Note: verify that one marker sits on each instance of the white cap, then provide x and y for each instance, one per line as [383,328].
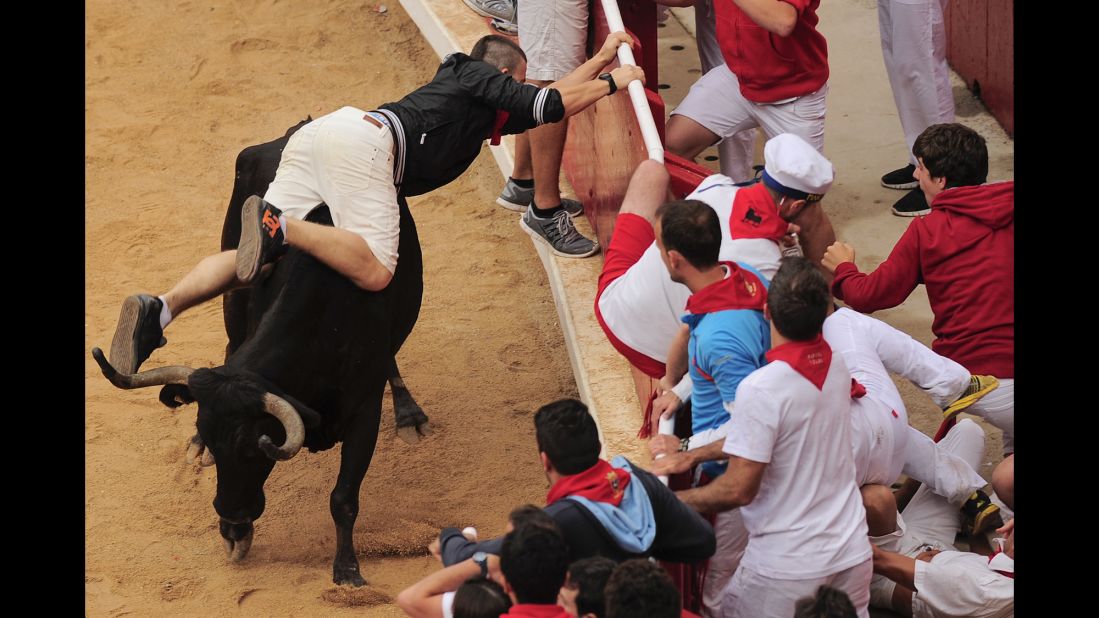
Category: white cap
[792,164]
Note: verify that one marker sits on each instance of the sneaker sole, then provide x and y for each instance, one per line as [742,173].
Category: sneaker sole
[961,404]
[539,238]
[986,520]
[124,344]
[912,213]
[511,205]
[904,185]
[248,249]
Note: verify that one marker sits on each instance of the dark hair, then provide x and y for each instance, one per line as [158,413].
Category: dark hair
[828,603]
[798,299]
[528,513]
[955,151]
[690,227]
[639,588]
[590,576]
[480,598]
[534,559]
[567,434]
[499,51]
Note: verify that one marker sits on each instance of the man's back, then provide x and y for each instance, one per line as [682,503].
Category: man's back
[646,302]
[807,519]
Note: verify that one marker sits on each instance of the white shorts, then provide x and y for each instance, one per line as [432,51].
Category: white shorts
[752,595]
[345,162]
[715,102]
[554,36]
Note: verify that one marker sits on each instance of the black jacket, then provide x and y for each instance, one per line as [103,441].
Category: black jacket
[442,124]
[682,535]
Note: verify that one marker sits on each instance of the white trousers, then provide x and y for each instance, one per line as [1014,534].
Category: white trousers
[732,540]
[736,152]
[913,44]
[346,162]
[929,521]
[752,595]
[885,444]
[715,102]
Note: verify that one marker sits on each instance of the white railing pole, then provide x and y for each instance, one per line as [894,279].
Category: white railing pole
[636,88]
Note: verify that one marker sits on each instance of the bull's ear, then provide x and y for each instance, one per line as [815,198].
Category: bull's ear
[175,395]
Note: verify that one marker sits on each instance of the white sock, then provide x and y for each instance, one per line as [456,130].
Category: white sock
[282,223]
[165,313]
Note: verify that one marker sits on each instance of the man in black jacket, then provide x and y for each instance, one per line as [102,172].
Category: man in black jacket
[364,164]
[612,509]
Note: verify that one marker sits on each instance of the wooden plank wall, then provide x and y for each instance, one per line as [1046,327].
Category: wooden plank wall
[981,48]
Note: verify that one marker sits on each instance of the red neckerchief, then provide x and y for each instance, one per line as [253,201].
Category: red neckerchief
[599,483]
[739,290]
[809,358]
[533,610]
[1004,573]
[501,120]
[755,215]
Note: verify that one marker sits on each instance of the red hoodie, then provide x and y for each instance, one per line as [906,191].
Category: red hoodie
[964,252]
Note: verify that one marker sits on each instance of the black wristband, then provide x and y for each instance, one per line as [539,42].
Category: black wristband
[684,445]
[610,80]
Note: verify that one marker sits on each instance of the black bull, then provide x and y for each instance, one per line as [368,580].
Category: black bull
[304,343]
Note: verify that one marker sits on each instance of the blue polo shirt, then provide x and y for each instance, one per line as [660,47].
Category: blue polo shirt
[724,347]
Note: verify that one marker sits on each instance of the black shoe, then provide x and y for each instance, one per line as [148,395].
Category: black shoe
[912,204]
[980,514]
[138,333]
[901,179]
[261,238]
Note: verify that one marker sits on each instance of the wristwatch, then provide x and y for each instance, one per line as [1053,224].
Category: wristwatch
[481,558]
[610,80]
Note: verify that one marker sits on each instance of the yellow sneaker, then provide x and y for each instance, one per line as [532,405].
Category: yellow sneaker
[979,386]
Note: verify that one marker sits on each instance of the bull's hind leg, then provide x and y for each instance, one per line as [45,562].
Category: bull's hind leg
[411,420]
[355,456]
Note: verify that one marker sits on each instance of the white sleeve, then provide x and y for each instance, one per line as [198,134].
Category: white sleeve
[756,416]
[684,389]
[448,604]
[956,584]
[710,436]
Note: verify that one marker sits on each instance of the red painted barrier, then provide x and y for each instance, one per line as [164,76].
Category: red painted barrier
[604,144]
[981,48]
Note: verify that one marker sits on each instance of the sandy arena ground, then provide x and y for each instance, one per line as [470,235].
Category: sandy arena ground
[174,92]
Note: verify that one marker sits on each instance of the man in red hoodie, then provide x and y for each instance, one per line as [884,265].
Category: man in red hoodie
[964,252]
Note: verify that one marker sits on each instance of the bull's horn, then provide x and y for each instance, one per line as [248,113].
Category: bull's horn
[176,374]
[291,422]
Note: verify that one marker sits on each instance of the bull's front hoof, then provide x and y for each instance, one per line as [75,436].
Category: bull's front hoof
[348,577]
[237,539]
[408,434]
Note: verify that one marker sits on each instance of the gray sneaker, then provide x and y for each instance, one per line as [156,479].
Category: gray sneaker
[559,233]
[500,9]
[516,198]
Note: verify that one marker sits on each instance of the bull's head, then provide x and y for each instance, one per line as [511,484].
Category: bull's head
[239,421]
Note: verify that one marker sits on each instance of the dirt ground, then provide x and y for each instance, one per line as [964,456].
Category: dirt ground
[173,92]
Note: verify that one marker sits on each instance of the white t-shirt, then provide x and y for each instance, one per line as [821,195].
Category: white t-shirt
[643,306]
[961,584]
[807,520]
[448,604]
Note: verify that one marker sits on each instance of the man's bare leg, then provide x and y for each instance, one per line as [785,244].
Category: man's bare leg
[522,170]
[343,251]
[547,146]
[141,324]
[687,138]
